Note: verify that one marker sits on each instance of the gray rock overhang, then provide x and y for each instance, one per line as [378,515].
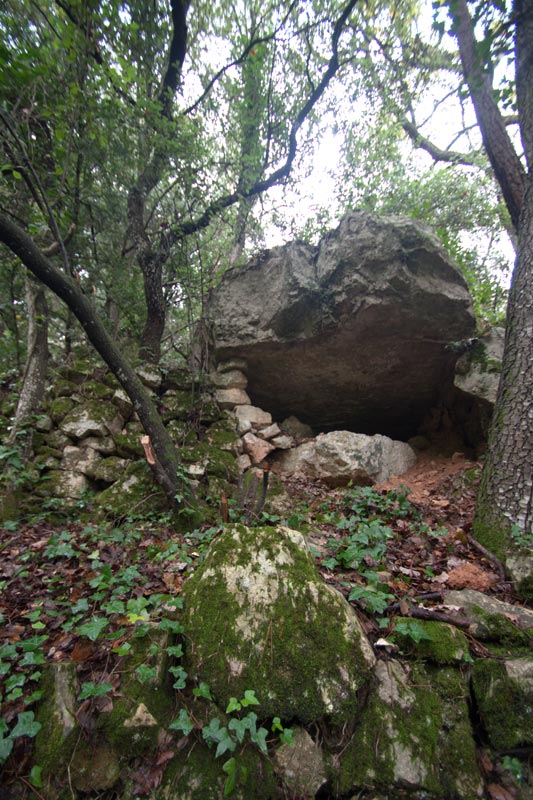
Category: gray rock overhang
[360,333]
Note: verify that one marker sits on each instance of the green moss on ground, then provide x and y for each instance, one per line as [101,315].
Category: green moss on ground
[445,645]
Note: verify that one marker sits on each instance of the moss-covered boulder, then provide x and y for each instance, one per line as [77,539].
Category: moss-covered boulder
[59,408]
[492,620]
[413,738]
[503,691]
[258,616]
[64,483]
[143,708]
[109,470]
[176,404]
[59,734]
[134,493]
[91,418]
[211,460]
[128,443]
[96,390]
[195,774]
[94,767]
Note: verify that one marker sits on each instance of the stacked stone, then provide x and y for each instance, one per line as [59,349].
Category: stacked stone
[259,435]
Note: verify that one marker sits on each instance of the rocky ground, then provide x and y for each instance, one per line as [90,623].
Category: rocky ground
[82,590]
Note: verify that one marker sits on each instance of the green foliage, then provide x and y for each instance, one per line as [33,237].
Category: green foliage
[413,630]
[241,730]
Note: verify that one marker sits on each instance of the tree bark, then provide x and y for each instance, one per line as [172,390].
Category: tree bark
[505,497]
[34,379]
[504,160]
[66,289]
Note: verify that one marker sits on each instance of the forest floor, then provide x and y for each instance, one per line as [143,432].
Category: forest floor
[80,590]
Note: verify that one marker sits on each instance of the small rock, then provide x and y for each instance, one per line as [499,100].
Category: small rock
[232,379]
[94,768]
[253,415]
[150,377]
[256,448]
[301,765]
[269,432]
[283,442]
[294,427]
[121,400]
[43,424]
[232,363]
[80,459]
[244,462]
[228,398]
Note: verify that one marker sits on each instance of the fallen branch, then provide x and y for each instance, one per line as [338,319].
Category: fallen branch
[488,554]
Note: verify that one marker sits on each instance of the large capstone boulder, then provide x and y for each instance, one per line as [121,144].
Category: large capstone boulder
[361,332]
[258,616]
[343,457]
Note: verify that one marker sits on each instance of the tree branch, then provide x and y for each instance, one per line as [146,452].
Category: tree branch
[451,156]
[186,228]
[504,160]
[524,74]
[239,60]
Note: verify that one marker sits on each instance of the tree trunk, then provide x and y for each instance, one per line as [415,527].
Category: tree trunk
[505,496]
[34,379]
[150,345]
[65,288]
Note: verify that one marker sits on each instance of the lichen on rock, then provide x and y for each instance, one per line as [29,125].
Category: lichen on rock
[259,617]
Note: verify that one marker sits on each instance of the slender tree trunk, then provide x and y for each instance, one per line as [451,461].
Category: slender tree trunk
[34,379]
[150,346]
[505,496]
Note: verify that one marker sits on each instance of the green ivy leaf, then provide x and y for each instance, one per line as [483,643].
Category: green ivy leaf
[183,723]
[26,725]
[92,689]
[249,698]
[233,705]
[93,628]
[36,776]
[203,690]
[146,673]
[259,738]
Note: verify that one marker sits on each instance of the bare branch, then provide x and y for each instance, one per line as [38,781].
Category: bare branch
[247,50]
[186,228]
[451,156]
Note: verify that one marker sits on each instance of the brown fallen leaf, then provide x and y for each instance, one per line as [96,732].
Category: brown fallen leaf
[497,792]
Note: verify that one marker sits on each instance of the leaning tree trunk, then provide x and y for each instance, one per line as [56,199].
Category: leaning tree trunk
[34,379]
[166,462]
[505,499]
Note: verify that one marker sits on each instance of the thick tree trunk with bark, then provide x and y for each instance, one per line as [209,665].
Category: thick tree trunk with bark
[505,497]
[504,512]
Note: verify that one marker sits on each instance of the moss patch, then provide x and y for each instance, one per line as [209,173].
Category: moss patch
[134,493]
[55,742]
[134,724]
[444,645]
[259,617]
[403,740]
[505,701]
